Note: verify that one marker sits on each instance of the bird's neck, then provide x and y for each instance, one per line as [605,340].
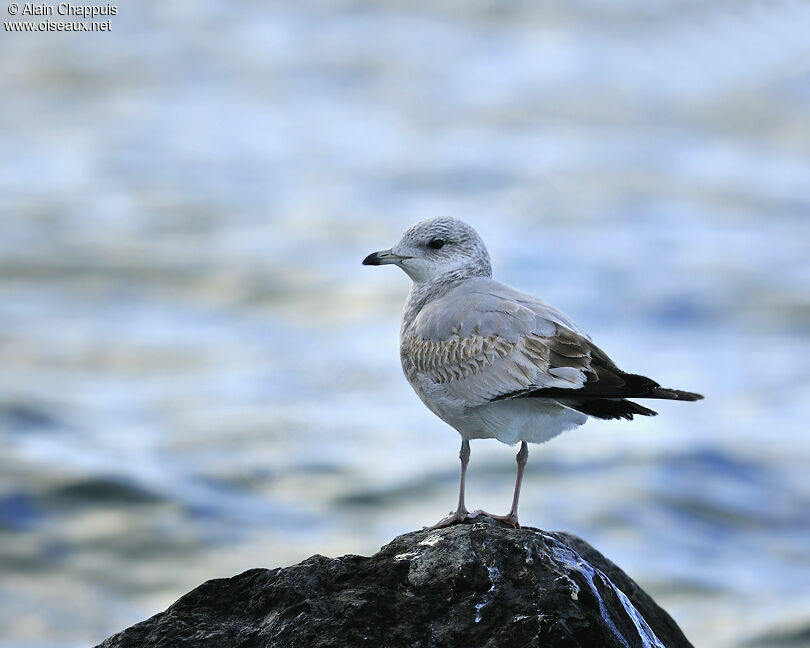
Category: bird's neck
[423,292]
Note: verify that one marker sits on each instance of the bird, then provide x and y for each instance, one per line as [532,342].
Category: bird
[494,362]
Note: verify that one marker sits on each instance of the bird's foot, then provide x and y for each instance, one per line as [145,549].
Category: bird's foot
[511,518]
[454,517]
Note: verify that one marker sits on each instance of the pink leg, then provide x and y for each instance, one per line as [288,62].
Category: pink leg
[512,517]
[461,513]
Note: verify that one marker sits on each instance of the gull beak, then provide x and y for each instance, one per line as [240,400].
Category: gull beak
[384,257]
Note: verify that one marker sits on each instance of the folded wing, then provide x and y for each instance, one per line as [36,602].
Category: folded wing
[485,342]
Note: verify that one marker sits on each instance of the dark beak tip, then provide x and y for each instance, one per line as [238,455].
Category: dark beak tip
[372,259]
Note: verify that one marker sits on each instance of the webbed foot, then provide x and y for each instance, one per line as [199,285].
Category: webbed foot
[511,518]
[454,517]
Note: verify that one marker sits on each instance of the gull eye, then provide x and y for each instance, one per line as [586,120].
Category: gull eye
[436,244]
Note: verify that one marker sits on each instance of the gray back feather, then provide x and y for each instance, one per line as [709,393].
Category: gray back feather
[481,339]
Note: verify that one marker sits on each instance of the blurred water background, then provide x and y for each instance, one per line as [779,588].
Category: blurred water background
[198,377]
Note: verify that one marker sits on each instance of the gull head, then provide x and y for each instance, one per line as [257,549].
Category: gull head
[435,247]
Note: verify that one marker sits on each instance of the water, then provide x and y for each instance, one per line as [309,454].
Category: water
[197,376]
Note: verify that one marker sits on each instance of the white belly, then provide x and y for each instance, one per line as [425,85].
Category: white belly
[534,420]
[526,419]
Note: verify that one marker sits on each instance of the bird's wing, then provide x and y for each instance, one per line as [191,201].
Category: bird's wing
[484,341]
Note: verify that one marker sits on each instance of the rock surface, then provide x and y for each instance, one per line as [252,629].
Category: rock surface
[469,585]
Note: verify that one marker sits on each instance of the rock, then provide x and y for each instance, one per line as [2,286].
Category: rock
[469,585]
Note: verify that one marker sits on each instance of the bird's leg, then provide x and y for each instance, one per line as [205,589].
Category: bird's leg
[522,458]
[464,455]
[461,513]
[512,517]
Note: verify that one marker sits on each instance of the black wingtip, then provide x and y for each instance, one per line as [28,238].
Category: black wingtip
[609,408]
[675,394]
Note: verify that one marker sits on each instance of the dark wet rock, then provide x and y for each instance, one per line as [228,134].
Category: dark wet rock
[469,585]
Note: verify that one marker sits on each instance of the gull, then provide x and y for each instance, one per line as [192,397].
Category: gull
[493,362]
